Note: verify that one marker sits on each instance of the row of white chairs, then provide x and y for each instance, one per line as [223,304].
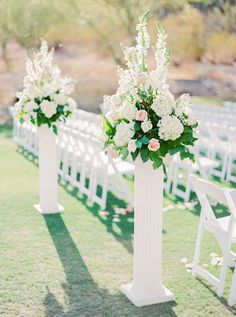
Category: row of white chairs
[218,142]
[82,162]
[223,229]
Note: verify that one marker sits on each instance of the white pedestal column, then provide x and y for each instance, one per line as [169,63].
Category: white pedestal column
[48,196]
[147,287]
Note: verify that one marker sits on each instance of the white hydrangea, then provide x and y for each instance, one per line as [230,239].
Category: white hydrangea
[183,105]
[128,111]
[163,104]
[190,120]
[146,126]
[49,108]
[170,128]
[124,133]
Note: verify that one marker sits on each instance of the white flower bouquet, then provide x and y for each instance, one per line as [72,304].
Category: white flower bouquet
[45,96]
[144,118]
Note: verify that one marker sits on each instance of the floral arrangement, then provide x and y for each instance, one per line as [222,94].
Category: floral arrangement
[144,118]
[45,96]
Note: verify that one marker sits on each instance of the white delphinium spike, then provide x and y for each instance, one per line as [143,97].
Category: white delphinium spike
[162,56]
[130,59]
[143,43]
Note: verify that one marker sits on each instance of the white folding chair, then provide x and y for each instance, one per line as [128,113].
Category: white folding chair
[230,196]
[221,228]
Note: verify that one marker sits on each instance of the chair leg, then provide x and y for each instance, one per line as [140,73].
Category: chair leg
[197,252]
[232,293]
[222,278]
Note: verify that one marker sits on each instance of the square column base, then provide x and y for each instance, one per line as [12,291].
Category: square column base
[40,210]
[167,296]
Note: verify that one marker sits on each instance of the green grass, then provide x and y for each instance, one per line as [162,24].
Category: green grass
[73,264]
[208,101]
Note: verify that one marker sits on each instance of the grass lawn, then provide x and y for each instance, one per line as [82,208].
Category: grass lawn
[73,264]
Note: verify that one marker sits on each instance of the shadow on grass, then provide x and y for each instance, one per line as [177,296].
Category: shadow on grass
[221,299]
[83,297]
[121,230]
[29,156]
[6,131]
[125,225]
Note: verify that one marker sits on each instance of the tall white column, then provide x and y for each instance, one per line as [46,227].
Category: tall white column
[48,195]
[147,287]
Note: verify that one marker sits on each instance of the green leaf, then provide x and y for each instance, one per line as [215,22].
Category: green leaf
[144,152]
[174,150]
[153,155]
[144,140]
[185,153]
[139,143]
[134,154]
[55,130]
[108,128]
[157,163]
[137,126]
[164,148]
[145,16]
[124,152]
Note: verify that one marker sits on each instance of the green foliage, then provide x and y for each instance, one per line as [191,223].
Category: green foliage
[221,48]
[189,25]
[107,126]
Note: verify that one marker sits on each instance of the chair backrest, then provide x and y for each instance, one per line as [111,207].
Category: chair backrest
[230,195]
[205,190]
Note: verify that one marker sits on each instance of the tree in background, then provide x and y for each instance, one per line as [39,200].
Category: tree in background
[23,21]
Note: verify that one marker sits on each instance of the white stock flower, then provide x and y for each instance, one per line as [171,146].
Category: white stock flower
[146,126]
[143,42]
[18,107]
[170,128]
[60,99]
[132,146]
[49,108]
[30,106]
[128,111]
[163,104]
[124,133]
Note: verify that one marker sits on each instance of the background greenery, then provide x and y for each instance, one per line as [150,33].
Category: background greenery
[197,28]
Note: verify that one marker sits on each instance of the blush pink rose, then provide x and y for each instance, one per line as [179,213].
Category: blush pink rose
[141,115]
[112,152]
[153,145]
